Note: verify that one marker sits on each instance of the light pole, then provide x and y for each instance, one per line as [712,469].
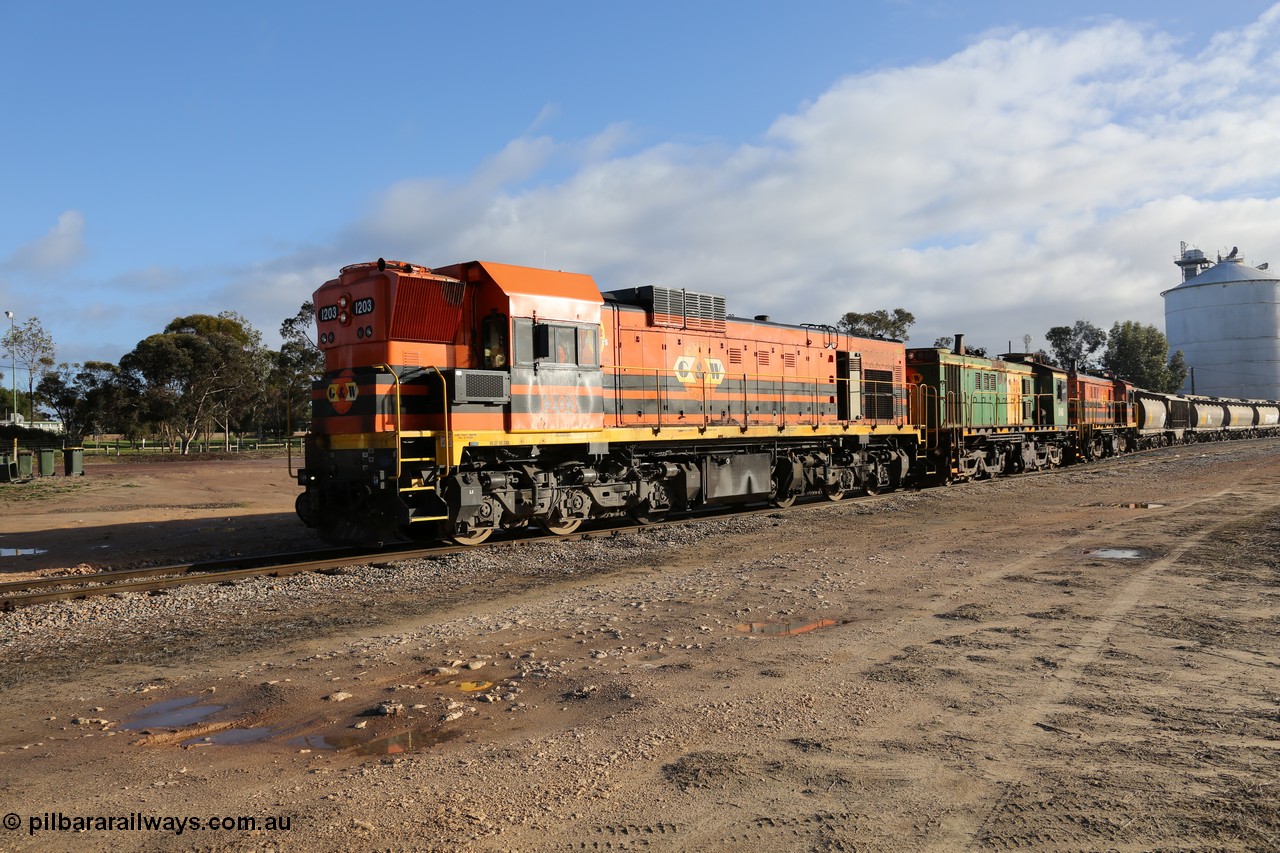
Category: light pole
[13,371]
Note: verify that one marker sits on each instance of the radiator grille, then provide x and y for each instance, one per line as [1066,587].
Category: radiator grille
[427,310]
[877,390]
[481,386]
[704,311]
[484,385]
[685,309]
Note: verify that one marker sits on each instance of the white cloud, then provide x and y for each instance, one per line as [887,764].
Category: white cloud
[62,247]
[1034,178]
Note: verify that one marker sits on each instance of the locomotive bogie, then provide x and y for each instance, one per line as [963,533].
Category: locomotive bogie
[352,495]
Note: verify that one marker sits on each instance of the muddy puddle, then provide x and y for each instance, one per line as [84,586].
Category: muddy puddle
[1119,553]
[171,714]
[414,740]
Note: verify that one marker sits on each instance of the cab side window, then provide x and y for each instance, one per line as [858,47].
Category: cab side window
[588,353]
[563,344]
[565,350]
[522,333]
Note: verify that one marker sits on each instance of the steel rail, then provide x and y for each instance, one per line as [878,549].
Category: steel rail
[19,593]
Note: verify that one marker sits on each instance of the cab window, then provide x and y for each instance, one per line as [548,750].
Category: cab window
[562,344]
[588,354]
[494,342]
[522,333]
[565,350]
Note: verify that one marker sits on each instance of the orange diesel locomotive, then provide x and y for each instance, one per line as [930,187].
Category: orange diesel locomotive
[480,397]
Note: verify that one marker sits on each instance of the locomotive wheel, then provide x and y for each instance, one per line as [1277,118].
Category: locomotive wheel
[871,485]
[834,492]
[782,503]
[474,538]
[562,526]
[302,506]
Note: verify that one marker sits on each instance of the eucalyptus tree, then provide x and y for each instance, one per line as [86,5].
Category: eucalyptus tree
[29,346]
[878,324]
[201,369]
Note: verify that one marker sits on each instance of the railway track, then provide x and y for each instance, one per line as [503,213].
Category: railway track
[151,579]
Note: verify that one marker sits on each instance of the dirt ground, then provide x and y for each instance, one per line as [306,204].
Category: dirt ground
[127,514]
[1087,660]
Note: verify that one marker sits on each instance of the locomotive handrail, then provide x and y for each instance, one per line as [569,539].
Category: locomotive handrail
[1083,410]
[448,433]
[396,378]
[706,420]
[657,395]
[288,432]
[923,393]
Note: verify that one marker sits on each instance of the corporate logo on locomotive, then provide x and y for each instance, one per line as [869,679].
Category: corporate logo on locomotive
[692,370]
[343,392]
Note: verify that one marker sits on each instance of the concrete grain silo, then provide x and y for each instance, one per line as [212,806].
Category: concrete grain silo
[1225,317]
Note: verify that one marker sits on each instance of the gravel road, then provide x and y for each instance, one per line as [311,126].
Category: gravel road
[1079,661]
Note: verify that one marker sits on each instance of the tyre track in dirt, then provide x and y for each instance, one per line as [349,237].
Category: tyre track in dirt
[1023,815]
[983,682]
[1005,747]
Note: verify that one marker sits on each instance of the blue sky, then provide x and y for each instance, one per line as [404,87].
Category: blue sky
[996,168]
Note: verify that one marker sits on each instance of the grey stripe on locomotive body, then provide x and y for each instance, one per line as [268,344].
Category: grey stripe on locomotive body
[596,391]
[421,392]
[568,388]
[763,397]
